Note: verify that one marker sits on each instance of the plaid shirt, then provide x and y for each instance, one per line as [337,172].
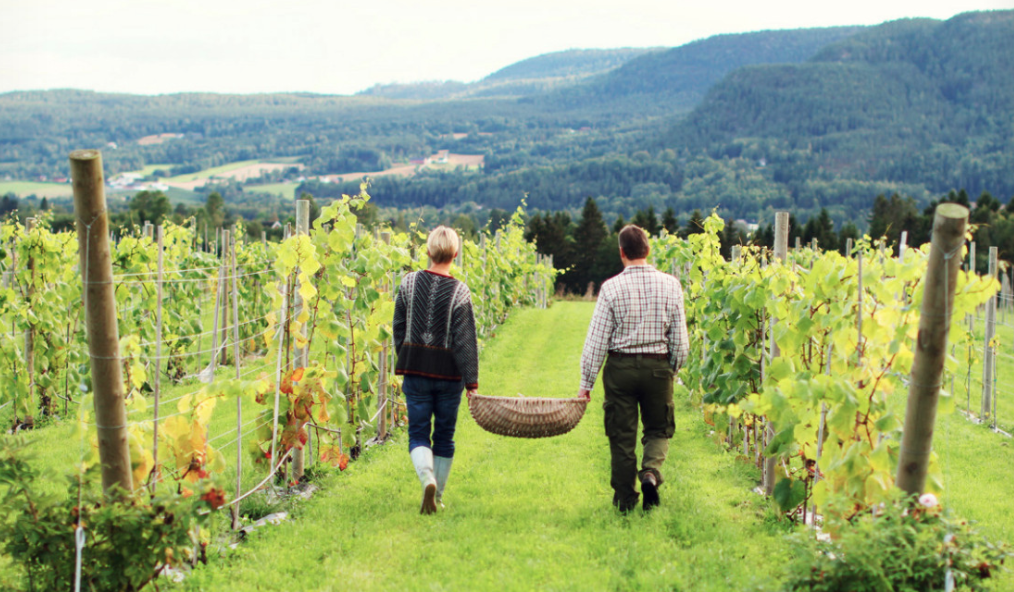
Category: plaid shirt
[639,311]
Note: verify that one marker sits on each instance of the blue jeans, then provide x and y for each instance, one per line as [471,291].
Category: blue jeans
[432,406]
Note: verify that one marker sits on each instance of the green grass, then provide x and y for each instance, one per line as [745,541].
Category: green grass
[286,190]
[26,188]
[522,514]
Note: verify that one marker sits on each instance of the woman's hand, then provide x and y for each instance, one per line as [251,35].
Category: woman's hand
[584,394]
[471,392]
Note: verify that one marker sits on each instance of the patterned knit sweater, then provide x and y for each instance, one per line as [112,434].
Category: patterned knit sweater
[434,329]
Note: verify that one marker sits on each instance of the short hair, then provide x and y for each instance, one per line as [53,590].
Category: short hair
[634,242]
[442,244]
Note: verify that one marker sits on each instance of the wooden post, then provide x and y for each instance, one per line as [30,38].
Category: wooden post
[799,243]
[302,354]
[859,310]
[147,230]
[383,385]
[971,318]
[223,253]
[737,252]
[239,400]
[30,331]
[902,245]
[989,331]
[100,315]
[931,346]
[159,278]
[848,247]
[781,253]
[209,372]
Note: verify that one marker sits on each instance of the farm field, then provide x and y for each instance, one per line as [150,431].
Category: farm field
[238,171]
[151,168]
[26,188]
[285,190]
[526,513]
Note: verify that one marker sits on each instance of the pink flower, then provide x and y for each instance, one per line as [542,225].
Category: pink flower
[928,500]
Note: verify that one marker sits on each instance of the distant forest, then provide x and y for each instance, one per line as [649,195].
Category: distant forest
[815,121]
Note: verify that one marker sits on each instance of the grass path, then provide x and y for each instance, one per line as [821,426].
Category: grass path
[522,514]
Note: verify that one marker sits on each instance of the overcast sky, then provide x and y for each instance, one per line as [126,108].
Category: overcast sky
[342,46]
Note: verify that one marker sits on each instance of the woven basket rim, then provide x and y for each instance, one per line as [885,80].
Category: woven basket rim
[533,399]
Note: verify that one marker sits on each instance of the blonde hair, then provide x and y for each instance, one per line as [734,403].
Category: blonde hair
[442,244]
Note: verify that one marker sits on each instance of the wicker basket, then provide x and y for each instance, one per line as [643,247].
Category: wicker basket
[526,417]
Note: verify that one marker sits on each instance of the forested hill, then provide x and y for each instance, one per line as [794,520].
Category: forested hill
[680,77]
[527,77]
[916,101]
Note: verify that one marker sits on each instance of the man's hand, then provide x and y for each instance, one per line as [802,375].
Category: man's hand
[584,394]
[471,392]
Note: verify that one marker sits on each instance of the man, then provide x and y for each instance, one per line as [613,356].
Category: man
[639,329]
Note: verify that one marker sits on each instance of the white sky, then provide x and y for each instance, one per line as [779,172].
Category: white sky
[342,46]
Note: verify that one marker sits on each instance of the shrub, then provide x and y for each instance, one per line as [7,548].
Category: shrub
[128,541]
[906,545]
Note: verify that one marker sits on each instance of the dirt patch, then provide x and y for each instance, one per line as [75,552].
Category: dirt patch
[241,174]
[466,160]
[157,139]
[401,171]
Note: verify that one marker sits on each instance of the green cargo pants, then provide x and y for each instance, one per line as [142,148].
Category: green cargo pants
[632,384]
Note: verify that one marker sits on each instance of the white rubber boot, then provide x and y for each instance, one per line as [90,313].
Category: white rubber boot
[442,468]
[422,458]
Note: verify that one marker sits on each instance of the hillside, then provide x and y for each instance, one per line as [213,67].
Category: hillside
[805,119]
[919,101]
[527,77]
[678,78]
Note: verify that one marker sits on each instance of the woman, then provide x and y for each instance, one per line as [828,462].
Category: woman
[434,335]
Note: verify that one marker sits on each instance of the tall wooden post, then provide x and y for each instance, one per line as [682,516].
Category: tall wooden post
[100,318]
[223,254]
[781,253]
[208,374]
[383,386]
[931,346]
[989,331]
[30,331]
[239,400]
[157,379]
[302,354]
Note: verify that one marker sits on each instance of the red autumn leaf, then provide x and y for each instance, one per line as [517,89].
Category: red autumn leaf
[297,374]
[215,498]
[286,385]
[343,462]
